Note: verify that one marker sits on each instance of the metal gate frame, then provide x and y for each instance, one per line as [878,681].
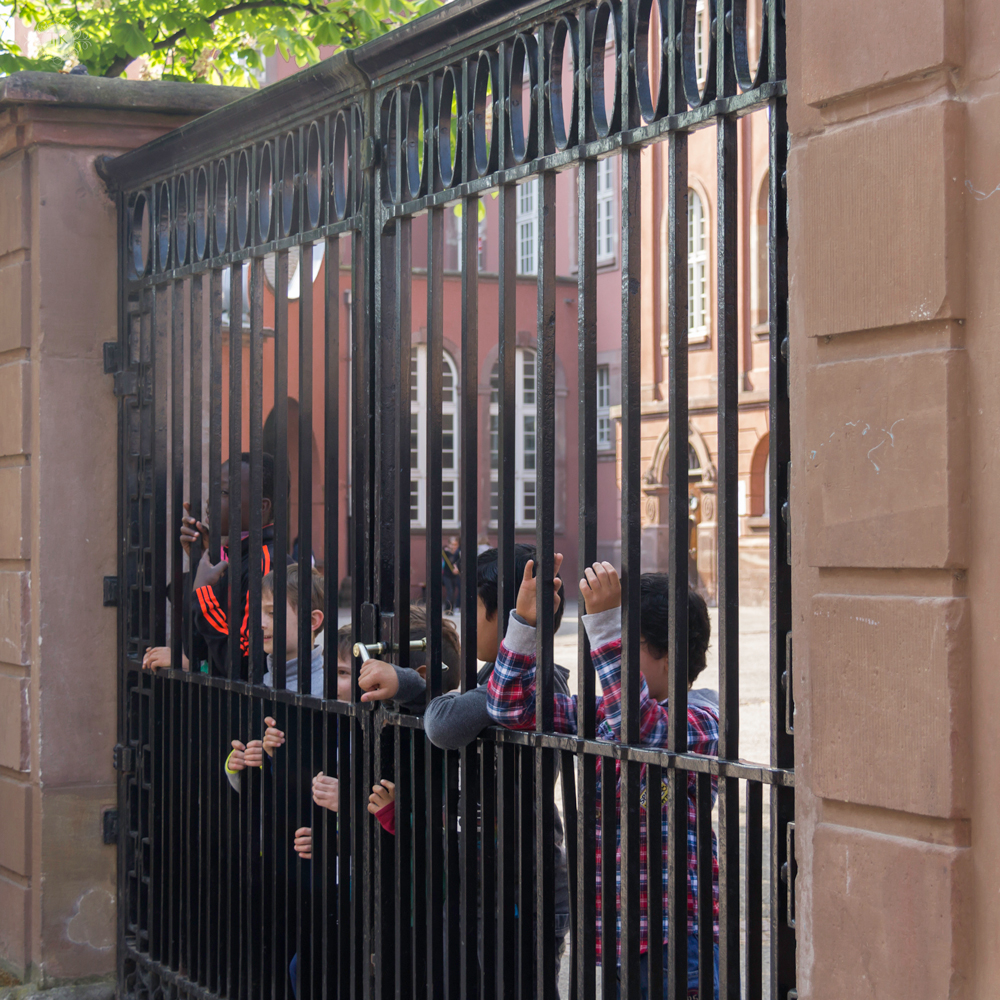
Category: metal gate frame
[333,155]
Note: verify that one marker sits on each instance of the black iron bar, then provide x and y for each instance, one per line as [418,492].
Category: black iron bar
[305,461]
[753,890]
[331,477]
[488,873]
[466,934]
[506,938]
[654,875]
[705,915]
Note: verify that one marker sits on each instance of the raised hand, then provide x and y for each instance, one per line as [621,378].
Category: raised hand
[600,588]
[526,605]
[253,755]
[156,656]
[304,842]
[237,760]
[209,573]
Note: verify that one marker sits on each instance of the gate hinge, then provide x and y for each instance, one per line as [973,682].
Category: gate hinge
[786,683]
[126,382]
[124,758]
[788,874]
[109,824]
[111,591]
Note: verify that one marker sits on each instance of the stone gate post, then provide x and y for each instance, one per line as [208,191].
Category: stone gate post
[894,110]
[58,507]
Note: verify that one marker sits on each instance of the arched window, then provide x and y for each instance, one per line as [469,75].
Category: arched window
[418,439]
[525,441]
[697,269]
[762,275]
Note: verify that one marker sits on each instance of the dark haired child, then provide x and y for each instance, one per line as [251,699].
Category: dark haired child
[455,720]
[512,704]
[209,602]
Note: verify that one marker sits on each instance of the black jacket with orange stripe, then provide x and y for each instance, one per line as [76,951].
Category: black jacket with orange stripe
[209,607]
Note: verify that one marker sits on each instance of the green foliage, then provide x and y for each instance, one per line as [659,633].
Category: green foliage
[202,41]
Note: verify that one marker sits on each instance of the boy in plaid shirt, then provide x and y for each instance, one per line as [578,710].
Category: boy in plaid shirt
[512,704]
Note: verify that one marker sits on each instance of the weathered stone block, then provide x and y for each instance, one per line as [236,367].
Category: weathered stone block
[14,223]
[14,723]
[15,923]
[13,503]
[879,239]
[14,618]
[886,461]
[889,917]
[15,294]
[844,43]
[14,411]
[890,702]
[15,829]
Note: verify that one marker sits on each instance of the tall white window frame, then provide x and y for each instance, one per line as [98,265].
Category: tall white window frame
[697,267]
[418,439]
[606,220]
[605,440]
[527,227]
[525,441]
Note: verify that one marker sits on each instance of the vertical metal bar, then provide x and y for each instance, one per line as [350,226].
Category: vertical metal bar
[236,498]
[256,407]
[527,875]
[506,939]
[654,876]
[469,512]
[418,804]
[678,562]
[331,475]
[403,908]
[433,406]
[728,548]
[281,470]
[545,392]
[706,916]
[506,367]
[486,944]
[608,900]
[305,459]
[195,427]
[753,890]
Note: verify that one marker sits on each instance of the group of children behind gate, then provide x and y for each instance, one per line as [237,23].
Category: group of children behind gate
[505,694]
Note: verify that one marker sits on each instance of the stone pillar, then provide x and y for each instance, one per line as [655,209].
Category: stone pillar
[894,112]
[58,495]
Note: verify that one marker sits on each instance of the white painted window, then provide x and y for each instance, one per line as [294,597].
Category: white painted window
[527,227]
[418,439]
[606,221]
[604,439]
[525,441]
[698,320]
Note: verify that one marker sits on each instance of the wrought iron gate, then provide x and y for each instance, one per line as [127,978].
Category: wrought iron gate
[460,105]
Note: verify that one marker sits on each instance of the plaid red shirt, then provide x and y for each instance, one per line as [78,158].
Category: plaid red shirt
[512,704]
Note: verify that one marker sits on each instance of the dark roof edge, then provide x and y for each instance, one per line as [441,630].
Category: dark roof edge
[153,96]
[327,83]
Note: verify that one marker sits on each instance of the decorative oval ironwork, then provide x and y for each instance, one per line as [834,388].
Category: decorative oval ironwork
[563,41]
[651,60]
[340,189]
[746,78]
[200,213]
[485,113]
[314,176]
[163,227]
[243,199]
[288,184]
[265,192]
[221,207]
[606,120]
[523,62]
[415,145]
[138,235]
[181,222]
[449,126]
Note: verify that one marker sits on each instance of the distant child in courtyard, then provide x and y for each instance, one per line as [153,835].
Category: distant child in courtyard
[512,703]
